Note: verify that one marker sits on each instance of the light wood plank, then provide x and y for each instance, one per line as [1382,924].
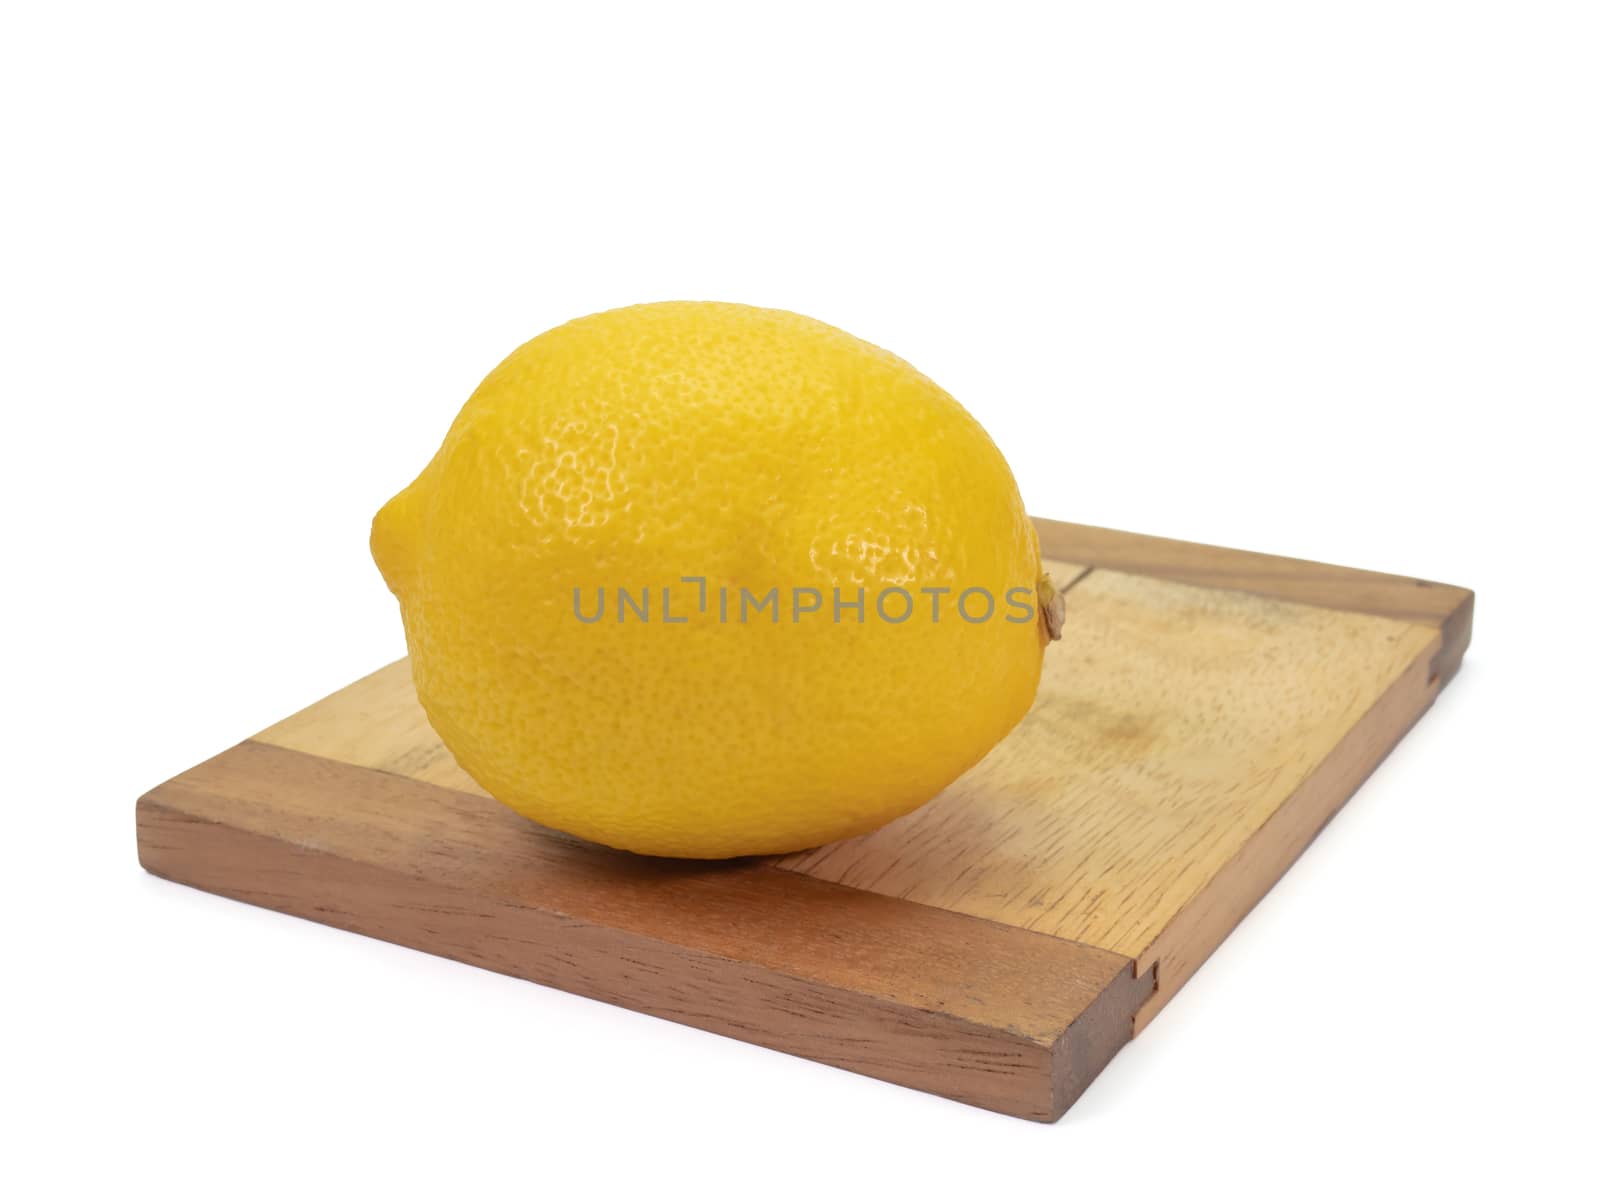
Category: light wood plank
[1172,723]
[1202,925]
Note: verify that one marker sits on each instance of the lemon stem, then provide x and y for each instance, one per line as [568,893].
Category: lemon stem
[1052,608]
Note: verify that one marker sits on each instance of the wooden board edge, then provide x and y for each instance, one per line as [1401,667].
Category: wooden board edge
[1183,946]
[1094,1039]
[990,1066]
[1443,606]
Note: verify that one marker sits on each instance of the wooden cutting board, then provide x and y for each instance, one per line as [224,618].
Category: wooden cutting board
[1205,713]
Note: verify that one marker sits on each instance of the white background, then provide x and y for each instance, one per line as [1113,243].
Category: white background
[1318,279]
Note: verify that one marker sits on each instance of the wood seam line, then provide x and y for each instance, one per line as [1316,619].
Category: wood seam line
[1124,961]
[1083,573]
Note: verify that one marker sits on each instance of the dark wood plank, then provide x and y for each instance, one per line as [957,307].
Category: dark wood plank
[995,1016]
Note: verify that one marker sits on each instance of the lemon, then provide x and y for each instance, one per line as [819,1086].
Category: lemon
[708,580]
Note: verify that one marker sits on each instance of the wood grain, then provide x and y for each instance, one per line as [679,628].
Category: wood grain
[982,1013]
[1205,714]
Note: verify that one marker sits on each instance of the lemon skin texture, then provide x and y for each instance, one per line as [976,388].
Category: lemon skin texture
[755,449]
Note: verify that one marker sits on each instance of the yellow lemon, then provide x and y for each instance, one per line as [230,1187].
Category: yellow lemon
[708,580]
